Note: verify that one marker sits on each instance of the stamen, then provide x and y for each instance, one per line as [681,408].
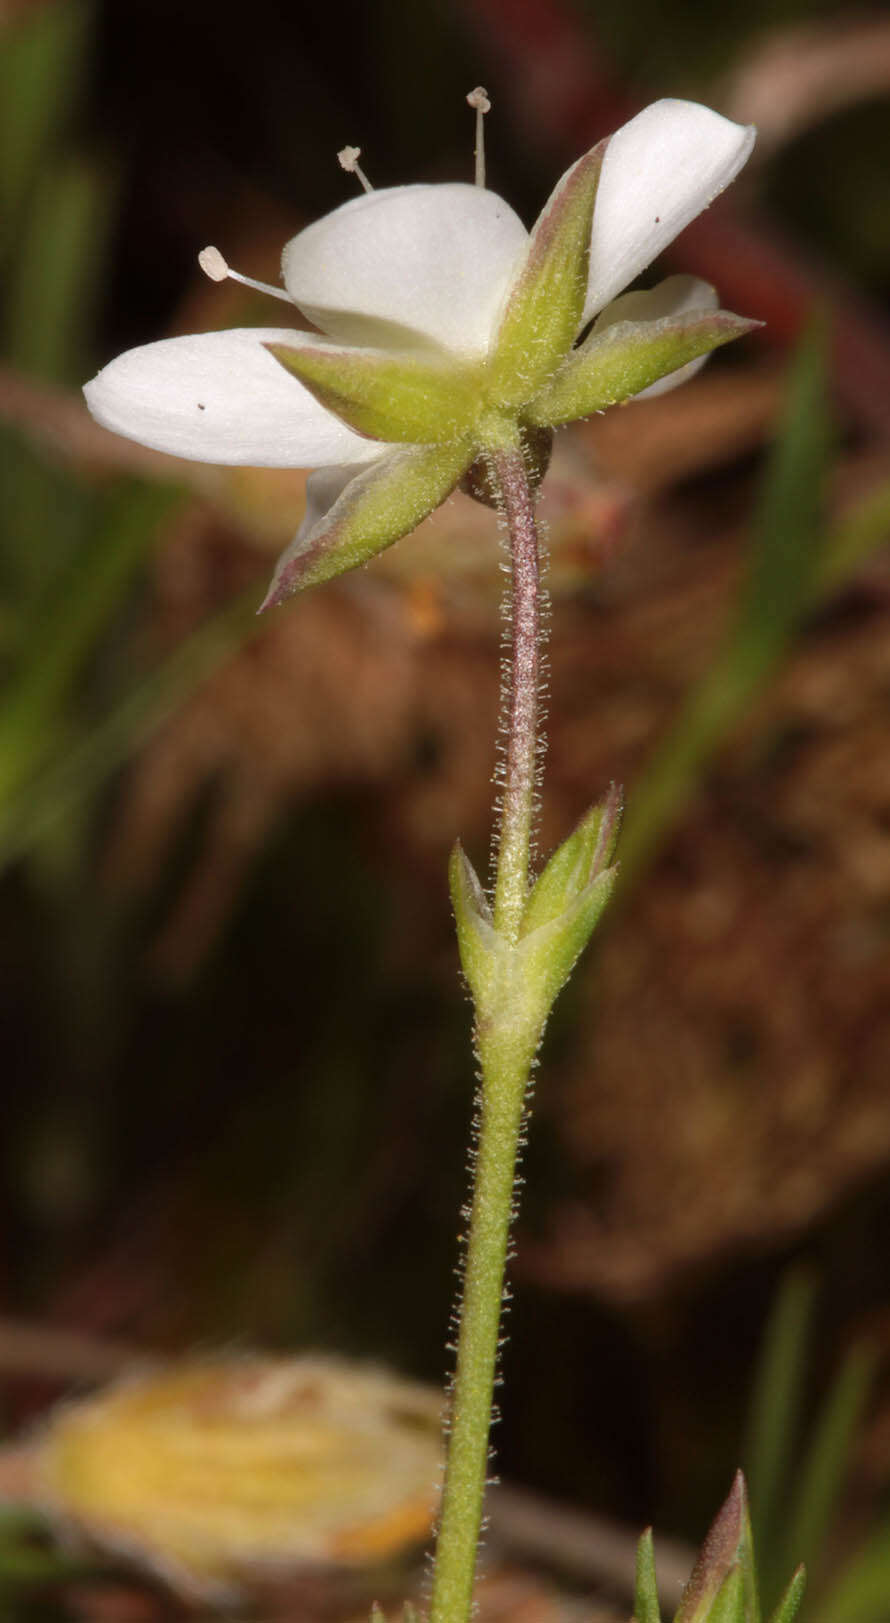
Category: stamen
[349,160]
[478,99]
[213,265]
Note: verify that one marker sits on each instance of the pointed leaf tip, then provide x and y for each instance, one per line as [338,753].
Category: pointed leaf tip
[726,1546]
[581,858]
[646,1607]
[383,501]
[625,359]
[477,939]
[551,951]
[789,1605]
[546,302]
[610,827]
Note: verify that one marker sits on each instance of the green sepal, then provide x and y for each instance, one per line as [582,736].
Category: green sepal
[550,953]
[628,357]
[646,1607]
[480,947]
[728,1548]
[574,864]
[545,306]
[382,502]
[789,1605]
[399,397]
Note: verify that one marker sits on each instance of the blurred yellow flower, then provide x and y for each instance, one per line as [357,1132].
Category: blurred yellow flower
[218,1471]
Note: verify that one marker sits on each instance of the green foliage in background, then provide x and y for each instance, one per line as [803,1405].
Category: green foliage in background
[68,552]
[798,1476]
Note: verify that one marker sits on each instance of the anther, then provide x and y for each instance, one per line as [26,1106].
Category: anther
[348,159]
[478,99]
[213,265]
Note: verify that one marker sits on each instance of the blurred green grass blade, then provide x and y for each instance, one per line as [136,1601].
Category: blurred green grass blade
[62,787]
[40,61]
[676,768]
[853,540]
[18,1522]
[862,1593]
[22,1565]
[789,1605]
[825,1466]
[788,529]
[65,627]
[55,272]
[45,515]
[750,1577]
[774,1417]
[646,1607]
[786,544]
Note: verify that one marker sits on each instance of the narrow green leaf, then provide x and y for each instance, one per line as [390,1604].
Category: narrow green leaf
[852,540]
[53,277]
[43,52]
[750,1585]
[383,502]
[549,954]
[626,358]
[788,532]
[477,940]
[786,545]
[775,1412]
[859,1595]
[646,1607]
[789,1605]
[67,624]
[72,775]
[401,398]
[828,1457]
[728,1605]
[587,851]
[47,517]
[546,303]
[720,1554]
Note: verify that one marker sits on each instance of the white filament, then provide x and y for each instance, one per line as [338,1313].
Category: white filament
[478,99]
[213,265]
[348,158]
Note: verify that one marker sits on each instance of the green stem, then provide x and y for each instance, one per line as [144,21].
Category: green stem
[505,1055]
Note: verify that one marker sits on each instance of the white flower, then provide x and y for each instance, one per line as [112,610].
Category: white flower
[447,329]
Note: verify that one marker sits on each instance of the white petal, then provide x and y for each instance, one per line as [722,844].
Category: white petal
[323,487]
[677,295]
[659,172]
[221,397]
[437,260]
